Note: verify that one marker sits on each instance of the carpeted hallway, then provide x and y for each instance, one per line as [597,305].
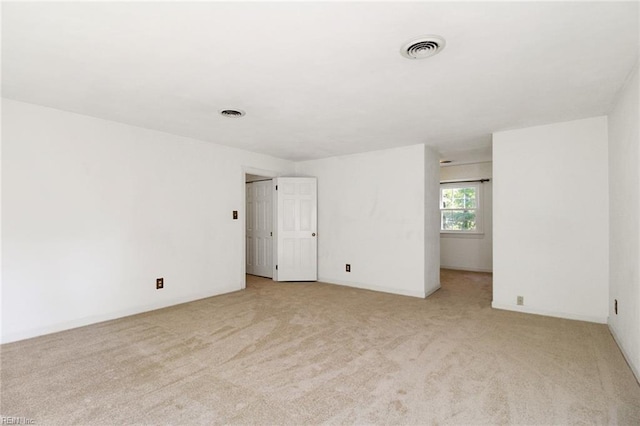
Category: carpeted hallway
[308,353]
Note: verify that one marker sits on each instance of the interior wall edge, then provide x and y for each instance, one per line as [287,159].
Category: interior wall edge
[432,290]
[555,314]
[364,286]
[625,353]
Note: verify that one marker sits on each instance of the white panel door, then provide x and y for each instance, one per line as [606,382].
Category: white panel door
[296,228]
[249,229]
[259,229]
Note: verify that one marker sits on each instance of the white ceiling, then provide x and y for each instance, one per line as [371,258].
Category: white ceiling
[322,79]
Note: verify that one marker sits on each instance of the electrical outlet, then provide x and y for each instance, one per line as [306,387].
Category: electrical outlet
[615,306]
[348,267]
[159,283]
[520,300]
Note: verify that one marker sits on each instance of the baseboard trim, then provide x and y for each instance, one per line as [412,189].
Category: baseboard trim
[363,286]
[635,369]
[534,311]
[459,268]
[433,290]
[81,322]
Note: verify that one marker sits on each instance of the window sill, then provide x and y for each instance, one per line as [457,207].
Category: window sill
[458,234]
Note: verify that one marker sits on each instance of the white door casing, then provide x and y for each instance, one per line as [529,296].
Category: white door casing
[296,229]
[249,228]
[259,244]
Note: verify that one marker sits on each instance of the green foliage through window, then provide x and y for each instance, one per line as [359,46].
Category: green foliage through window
[458,208]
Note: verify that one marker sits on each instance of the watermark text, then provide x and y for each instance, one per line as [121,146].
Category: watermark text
[13,420]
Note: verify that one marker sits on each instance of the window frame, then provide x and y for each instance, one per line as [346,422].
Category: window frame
[478,209]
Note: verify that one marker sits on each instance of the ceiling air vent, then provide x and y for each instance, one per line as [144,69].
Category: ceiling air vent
[422,47]
[233,113]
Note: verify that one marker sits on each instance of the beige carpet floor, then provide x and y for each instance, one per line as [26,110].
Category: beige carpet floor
[309,353]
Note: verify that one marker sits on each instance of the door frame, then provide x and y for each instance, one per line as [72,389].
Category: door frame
[269,174]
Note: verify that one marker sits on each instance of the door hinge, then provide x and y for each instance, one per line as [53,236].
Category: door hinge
[271,234]
[276,187]
[276,267]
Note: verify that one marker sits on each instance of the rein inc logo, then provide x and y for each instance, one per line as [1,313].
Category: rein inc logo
[9,420]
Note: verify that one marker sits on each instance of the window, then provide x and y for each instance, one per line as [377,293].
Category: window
[460,208]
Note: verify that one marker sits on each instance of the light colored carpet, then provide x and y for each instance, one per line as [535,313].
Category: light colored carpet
[308,353]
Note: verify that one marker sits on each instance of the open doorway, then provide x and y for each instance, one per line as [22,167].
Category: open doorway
[466,228]
[250,174]
[279,228]
[259,225]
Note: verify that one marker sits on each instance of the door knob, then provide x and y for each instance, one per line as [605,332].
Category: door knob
[313,235]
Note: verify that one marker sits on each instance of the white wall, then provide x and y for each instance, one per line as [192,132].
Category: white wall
[471,252]
[1,226]
[371,215]
[431,221]
[93,211]
[624,211]
[551,217]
